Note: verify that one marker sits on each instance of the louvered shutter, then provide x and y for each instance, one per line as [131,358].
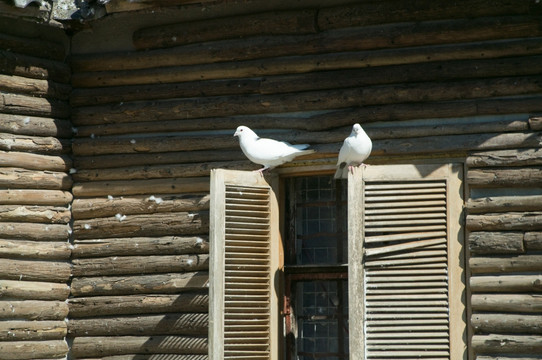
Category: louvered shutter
[245,260]
[408,248]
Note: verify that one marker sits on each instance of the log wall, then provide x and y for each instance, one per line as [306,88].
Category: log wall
[35,191]
[428,83]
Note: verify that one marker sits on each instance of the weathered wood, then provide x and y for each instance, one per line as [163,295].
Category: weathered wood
[16,330]
[509,357]
[21,249]
[507,344]
[271,23]
[510,177]
[180,357]
[167,245]
[505,221]
[34,87]
[23,350]
[507,323]
[11,289]
[51,271]
[32,231]
[533,240]
[33,310]
[138,187]
[504,204]
[124,265]
[514,157]
[85,347]
[484,242]
[33,67]
[36,144]
[35,214]
[535,123]
[305,101]
[169,324]
[524,303]
[35,197]
[138,304]
[33,46]
[35,161]
[143,284]
[503,264]
[506,283]
[34,106]
[363,14]
[36,126]
[158,171]
[101,207]
[348,40]
[160,224]
[16,178]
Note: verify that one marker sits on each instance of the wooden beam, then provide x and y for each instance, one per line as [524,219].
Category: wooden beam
[143,284]
[505,264]
[34,87]
[32,290]
[91,307]
[19,350]
[505,177]
[512,303]
[40,250]
[35,161]
[504,242]
[497,344]
[35,214]
[33,231]
[504,204]
[35,197]
[35,126]
[33,46]
[18,330]
[33,310]
[34,67]
[506,283]
[513,157]
[32,270]
[35,144]
[505,221]
[165,245]
[34,106]
[16,178]
[533,240]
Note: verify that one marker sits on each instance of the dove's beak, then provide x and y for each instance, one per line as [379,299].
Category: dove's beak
[236,133]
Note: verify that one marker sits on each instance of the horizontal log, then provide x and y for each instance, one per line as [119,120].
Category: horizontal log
[16,330]
[32,231]
[35,197]
[515,157]
[504,204]
[190,108]
[387,37]
[87,347]
[523,303]
[51,271]
[506,283]
[32,290]
[524,177]
[506,264]
[505,221]
[142,284]
[21,249]
[23,350]
[507,344]
[166,245]
[102,207]
[160,224]
[34,87]
[36,126]
[138,304]
[505,242]
[33,46]
[35,214]
[158,171]
[177,357]
[34,67]
[169,324]
[506,323]
[139,187]
[359,14]
[33,310]
[510,357]
[16,178]
[535,123]
[35,161]
[27,105]
[125,265]
[533,240]
[37,144]
[271,23]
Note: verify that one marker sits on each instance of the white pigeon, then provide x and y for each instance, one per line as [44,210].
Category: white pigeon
[268,152]
[356,148]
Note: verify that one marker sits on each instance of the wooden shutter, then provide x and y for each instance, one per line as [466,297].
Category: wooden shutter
[407,263]
[245,261]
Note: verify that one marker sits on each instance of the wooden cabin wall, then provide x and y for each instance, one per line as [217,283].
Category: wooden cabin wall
[35,190]
[442,83]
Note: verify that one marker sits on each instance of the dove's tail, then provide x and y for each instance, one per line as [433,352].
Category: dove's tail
[341,172]
[305,152]
[300,146]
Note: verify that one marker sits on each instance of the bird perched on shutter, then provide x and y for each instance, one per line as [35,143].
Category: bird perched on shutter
[268,152]
[356,148]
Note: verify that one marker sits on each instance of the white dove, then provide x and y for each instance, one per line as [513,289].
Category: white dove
[267,152]
[356,148]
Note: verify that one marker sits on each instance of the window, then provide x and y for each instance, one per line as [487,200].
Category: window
[386,284]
